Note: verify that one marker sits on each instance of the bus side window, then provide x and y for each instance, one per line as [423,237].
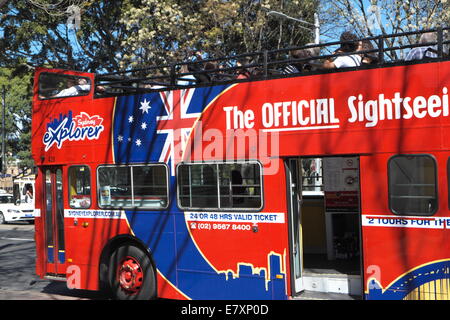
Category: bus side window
[150,186]
[412,185]
[197,186]
[136,186]
[54,85]
[240,186]
[223,186]
[79,187]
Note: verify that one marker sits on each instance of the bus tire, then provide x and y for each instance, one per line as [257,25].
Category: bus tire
[131,275]
[2,218]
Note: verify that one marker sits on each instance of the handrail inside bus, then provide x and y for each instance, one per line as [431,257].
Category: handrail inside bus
[387,50]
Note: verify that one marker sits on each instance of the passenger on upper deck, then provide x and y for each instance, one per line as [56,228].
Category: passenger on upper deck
[243,72]
[197,67]
[186,79]
[427,51]
[74,89]
[349,44]
[306,65]
[368,57]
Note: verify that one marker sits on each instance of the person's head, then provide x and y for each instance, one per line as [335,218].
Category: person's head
[71,82]
[300,53]
[313,51]
[210,65]
[366,45]
[368,57]
[82,81]
[184,68]
[428,37]
[349,42]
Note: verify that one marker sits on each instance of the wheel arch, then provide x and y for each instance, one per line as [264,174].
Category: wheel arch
[111,246]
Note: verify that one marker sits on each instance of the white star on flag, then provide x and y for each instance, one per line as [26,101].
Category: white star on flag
[143,126]
[145,105]
[130,119]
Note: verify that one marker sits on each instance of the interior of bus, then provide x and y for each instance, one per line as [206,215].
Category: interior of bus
[327,204]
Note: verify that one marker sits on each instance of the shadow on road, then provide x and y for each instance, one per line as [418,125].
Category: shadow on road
[60,289]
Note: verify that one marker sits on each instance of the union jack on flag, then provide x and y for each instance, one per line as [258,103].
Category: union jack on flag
[155,127]
[177,123]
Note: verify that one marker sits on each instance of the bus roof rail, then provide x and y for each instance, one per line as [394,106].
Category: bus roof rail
[387,49]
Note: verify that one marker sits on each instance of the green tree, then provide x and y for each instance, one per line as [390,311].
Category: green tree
[168,30]
[121,34]
[17,116]
[382,17]
[32,35]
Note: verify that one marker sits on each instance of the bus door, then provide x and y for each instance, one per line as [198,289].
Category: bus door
[294,183]
[54,221]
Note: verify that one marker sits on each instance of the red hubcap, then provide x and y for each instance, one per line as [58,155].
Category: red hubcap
[130,275]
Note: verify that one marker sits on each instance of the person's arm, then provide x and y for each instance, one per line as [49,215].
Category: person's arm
[328,64]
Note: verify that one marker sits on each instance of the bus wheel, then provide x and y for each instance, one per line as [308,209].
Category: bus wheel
[2,218]
[131,274]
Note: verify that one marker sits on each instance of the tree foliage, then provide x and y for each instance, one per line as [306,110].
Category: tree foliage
[17,115]
[121,34]
[31,35]
[124,33]
[168,30]
[382,17]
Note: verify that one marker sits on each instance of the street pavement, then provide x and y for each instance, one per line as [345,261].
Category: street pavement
[18,280]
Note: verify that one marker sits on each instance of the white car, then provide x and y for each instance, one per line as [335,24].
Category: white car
[10,212]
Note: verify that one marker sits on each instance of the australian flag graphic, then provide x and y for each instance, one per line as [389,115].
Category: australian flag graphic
[154,127]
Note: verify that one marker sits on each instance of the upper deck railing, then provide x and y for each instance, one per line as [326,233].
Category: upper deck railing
[383,50]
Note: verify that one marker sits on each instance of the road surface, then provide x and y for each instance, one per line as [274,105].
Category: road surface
[18,280]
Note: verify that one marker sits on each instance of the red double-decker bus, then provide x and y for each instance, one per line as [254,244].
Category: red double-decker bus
[278,186]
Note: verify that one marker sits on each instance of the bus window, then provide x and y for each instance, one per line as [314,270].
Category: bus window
[198,186]
[220,186]
[54,85]
[79,187]
[143,186]
[412,185]
[150,186]
[240,186]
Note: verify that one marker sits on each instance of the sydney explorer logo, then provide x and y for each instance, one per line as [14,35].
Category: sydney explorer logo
[67,127]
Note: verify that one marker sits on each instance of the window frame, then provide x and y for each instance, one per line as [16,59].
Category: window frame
[218,209]
[64,75]
[132,185]
[436,187]
[90,185]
